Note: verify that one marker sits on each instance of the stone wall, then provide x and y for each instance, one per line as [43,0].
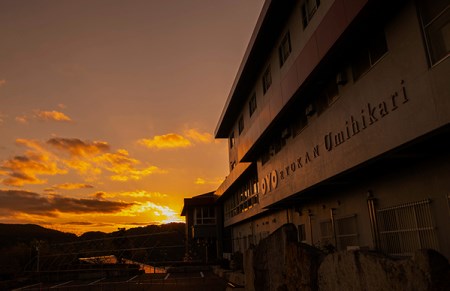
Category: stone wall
[280,263]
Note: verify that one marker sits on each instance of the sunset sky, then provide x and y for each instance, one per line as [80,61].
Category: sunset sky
[108,108]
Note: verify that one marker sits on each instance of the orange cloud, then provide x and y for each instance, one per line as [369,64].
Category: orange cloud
[2,82]
[199,137]
[45,116]
[70,186]
[140,195]
[166,141]
[22,119]
[89,159]
[52,116]
[124,166]
[24,169]
[77,147]
[201,181]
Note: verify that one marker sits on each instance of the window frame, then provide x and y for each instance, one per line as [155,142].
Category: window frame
[285,48]
[307,12]
[431,45]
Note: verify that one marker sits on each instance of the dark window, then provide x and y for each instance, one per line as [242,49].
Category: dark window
[309,8]
[299,123]
[231,140]
[241,124]
[252,104]
[267,80]
[436,26]
[285,48]
[369,53]
[327,95]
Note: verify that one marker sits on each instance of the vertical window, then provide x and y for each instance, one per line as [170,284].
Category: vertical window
[436,26]
[231,140]
[252,104]
[369,53]
[327,95]
[326,232]
[241,124]
[346,232]
[285,49]
[309,8]
[267,80]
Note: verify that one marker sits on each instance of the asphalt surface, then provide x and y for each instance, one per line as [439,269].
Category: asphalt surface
[206,281]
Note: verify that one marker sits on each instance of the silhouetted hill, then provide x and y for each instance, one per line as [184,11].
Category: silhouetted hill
[12,234]
[93,235]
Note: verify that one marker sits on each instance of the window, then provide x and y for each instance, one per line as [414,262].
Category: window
[369,53]
[205,215]
[243,198]
[309,8]
[267,80]
[241,124]
[327,95]
[252,104]
[406,228]
[231,140]
[326,232]
[285,49]
[436,26]
[346,232]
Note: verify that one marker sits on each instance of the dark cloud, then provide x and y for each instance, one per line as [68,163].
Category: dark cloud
[69,186]
[16,201]
[77,147]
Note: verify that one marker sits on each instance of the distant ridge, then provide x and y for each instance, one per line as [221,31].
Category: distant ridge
[12,234]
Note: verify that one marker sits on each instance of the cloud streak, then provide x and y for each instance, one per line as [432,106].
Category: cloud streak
[203,181]
[78,148]
[166,141]
[17,201]
[44,115]
[52,116]
[174,140]
[69,186]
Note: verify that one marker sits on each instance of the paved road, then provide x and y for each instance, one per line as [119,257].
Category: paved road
[204,281]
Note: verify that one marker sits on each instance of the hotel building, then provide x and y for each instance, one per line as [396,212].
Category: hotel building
[338,122]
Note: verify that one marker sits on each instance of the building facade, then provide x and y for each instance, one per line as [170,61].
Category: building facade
[201,227]
[338,122]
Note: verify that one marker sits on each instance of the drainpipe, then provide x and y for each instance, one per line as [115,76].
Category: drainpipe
[333,226]
[373,219]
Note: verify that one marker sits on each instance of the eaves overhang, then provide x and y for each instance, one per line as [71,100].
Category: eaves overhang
[271,21]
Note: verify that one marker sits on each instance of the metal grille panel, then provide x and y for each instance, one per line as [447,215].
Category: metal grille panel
[406,228]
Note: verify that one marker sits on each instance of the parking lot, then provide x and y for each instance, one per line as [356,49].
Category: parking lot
[168,281]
